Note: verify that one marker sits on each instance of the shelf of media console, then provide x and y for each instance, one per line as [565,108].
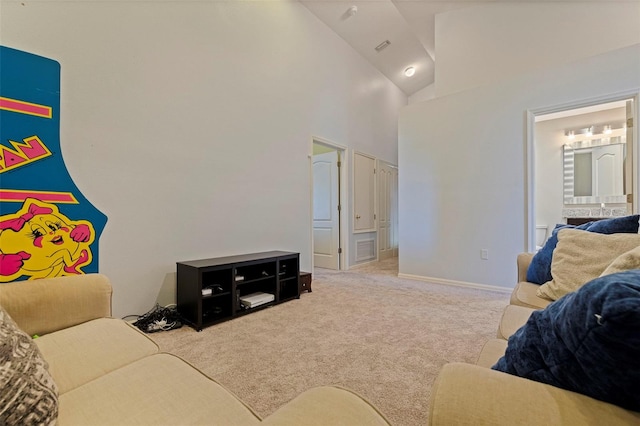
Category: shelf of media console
[215,295]
[254,280]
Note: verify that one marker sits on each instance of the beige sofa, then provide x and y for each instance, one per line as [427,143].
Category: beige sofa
[466,394]
[109,373]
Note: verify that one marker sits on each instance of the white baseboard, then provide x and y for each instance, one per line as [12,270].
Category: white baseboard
[456,283]
[357,265]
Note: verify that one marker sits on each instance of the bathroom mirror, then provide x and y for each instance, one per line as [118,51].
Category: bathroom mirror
[594,172]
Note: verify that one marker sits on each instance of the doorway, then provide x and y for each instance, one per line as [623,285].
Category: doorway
[327,175]
[581,163]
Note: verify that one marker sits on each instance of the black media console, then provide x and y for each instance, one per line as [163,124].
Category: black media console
[215,290]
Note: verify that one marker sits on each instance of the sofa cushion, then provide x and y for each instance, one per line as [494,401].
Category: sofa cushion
[79,354]
[587,342]
[43,306]
[491,352]
[581,256]
[513,317]
[327,405]
[160,389]
[539,271]
[525,294]
[28,394]
[469,395]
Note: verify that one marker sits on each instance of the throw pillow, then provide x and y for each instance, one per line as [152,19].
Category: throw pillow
[28,395]
[624,262]
[587,342]
[539,271]
[581,256]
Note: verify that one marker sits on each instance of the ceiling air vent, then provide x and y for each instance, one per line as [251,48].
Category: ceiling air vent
[382,45]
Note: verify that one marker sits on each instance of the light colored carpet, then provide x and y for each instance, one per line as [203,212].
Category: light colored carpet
[365,329]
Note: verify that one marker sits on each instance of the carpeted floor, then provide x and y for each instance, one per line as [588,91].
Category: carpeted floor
[365,329]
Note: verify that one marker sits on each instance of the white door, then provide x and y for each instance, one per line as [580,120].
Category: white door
[326,214]
[364,193]
[387,198]
[393,201]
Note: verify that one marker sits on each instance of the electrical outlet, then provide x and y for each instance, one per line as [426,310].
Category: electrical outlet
[484,254]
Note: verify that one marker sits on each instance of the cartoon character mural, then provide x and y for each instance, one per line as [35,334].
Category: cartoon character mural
[39,241]
[47,227]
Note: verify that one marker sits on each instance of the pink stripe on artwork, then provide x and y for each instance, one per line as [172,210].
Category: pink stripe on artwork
[49,197]
[25,107]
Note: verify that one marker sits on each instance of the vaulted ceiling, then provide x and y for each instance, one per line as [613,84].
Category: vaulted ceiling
[408,26]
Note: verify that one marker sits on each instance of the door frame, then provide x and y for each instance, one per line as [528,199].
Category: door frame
[342,199]
[529,152]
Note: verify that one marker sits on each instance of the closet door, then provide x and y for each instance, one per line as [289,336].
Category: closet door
[364,169]
[387,210]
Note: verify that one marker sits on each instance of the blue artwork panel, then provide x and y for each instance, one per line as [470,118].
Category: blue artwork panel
[47,227]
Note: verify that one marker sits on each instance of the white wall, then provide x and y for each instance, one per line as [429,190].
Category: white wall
[462,167]
[485,44]
[189,124]
[549,141]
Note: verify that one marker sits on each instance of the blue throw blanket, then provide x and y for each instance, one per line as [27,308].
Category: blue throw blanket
[587,342]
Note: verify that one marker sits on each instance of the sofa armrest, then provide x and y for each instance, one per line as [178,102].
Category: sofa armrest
[327,405]
[524,259]
[466,394]
[50,304]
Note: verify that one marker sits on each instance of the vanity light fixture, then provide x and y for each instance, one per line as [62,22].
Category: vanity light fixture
[410,71]
[594,132]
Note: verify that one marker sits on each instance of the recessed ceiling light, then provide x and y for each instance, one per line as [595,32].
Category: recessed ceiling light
[409,71]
